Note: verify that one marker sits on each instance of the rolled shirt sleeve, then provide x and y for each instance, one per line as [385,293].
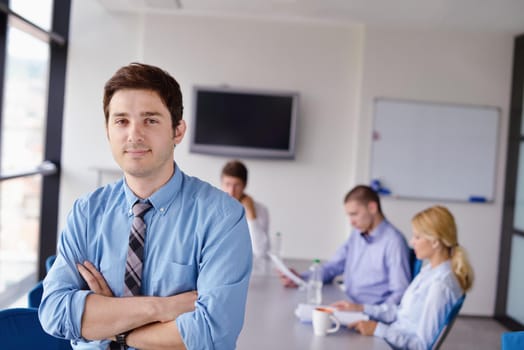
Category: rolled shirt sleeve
[64,294]
[222,289]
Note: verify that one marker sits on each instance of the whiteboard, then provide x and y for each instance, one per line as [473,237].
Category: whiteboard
[435,151]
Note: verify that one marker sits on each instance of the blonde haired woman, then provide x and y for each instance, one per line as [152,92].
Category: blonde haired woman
[415,323]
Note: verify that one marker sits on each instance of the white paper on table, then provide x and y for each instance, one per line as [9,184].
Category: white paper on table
[304,313]
[279,264]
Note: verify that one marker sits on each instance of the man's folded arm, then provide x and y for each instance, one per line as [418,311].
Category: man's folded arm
[156,336]
[105,316]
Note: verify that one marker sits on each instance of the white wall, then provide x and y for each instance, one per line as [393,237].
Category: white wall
[337,69]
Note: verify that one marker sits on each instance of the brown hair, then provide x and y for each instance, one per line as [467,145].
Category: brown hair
[363,194]
[146,77]
[237,169]
[438,223]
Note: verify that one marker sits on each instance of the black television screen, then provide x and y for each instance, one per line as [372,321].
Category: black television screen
[243,123]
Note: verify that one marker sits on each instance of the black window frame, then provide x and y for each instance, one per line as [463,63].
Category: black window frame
[57,38]
[515,138]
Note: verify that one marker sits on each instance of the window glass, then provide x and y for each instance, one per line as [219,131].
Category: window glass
[25,101]
[37,11]
[515,303]
[22,149]
[19,218]
[518,217]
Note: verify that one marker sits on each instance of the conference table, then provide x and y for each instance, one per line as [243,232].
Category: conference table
[270,322]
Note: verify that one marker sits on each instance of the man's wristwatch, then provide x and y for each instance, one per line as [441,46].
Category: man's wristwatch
[121,339]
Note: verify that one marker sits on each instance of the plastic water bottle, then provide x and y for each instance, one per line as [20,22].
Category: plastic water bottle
[277,245]
[314,284]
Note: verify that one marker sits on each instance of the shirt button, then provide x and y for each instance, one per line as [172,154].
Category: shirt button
[162,209]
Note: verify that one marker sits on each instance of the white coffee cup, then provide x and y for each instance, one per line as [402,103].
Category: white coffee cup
[324,322]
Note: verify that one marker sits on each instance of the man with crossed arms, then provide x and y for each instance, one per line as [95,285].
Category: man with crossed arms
[196,253]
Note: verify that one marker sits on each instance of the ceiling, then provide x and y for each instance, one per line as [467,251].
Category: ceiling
[470,15]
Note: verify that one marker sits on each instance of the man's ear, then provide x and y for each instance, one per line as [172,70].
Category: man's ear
[373,207]
[180,131]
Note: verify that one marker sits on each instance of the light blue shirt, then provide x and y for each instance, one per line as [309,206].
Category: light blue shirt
[415,323]
[375,268]
[197,239]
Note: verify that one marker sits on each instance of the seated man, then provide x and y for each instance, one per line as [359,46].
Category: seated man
[233,181]
[374,261]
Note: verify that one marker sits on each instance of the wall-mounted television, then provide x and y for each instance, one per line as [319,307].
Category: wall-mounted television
[243,123]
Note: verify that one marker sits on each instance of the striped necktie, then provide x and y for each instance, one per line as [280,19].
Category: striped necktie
[135,252]
[135,256]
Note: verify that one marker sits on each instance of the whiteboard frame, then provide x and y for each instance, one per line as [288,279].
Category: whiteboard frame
[440,182]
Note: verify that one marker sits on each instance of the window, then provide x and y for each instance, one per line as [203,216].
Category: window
[510,305]
[32,72]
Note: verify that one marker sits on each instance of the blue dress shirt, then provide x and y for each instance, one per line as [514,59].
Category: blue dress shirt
[415,323]
[197,239]
[375,267]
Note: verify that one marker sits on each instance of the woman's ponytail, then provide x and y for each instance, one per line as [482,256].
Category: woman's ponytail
[461,267]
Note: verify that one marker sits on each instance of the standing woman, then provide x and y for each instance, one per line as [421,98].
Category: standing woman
[415,323]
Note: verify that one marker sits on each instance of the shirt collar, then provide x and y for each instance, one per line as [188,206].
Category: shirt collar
[375,233]
[442,267]
[161,198]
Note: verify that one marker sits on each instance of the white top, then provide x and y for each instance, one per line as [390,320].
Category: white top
[259,231]
[415,323]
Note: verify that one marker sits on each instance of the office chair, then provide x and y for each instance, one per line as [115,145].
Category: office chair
[21,329]
[512,340]
[49,262]
[415,263]
[448,323]
[34,297]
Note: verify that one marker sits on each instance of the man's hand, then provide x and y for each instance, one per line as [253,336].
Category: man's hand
[94,279]
[364,327]
[176,305]
[249,206]
[344,305]
[286,281]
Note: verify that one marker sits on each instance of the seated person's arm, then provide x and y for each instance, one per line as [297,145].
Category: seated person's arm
[249,207]
[432,317]
[258,228]
[330,269]
[286,281]
[386,313]
[334,266]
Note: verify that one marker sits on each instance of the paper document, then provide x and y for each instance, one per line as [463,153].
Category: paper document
[304,312]
[279,264]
